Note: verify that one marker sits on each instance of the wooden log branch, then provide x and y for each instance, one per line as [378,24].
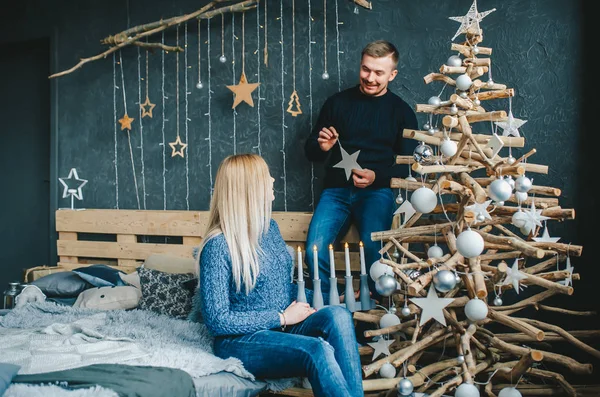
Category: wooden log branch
[516,324]
[515,373]
[518,244]
[467,50]
[566,335]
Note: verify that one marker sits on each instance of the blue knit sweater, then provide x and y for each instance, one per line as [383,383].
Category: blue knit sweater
[227,312]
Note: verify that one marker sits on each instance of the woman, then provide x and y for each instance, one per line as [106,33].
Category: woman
[246,295]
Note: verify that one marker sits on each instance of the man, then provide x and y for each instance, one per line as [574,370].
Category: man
[368,118]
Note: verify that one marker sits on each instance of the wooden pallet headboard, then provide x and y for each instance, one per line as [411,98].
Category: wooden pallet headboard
[125,238]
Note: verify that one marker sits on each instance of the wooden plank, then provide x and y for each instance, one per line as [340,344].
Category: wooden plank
[68,236]
[292,391]
[125,269]
[107,249]
[195,241]
[294,226]
[138,222]
[126,238]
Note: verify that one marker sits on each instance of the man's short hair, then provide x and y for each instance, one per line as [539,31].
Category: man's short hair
[380,49]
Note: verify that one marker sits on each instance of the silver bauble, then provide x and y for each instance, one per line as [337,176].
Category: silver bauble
[431,131]
[444,280]
[448,148]
[475,50]
[480,217]
[510,181]
[521,197]
[405,311]
[499,190]
[463,94]
[222,59]
[476,309]
[469,244]
[434,100]
[435,251]
[423,153]
[453,109]
[378,269]
[490,83]
[399,198]
[423,200]
[466,390]
[426,126]
[509,392]
[396,254]
[460,358]
[411,178]
[199,85]
[389,320]
[325,76]
[499,203]
[498,301]
[458,279]
[405,387]
[393,310]
[463,82]
[511,160]
[477,102]
[523,184]
[454,60]
[385,285]
[387,370]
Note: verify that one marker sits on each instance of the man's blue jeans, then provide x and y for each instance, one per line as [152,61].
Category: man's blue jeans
[371,210]
[323,348]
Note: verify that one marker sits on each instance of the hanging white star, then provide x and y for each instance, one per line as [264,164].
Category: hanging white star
[495,143]
[349,162]
[511,126]
[471,19]
[568,281]
[533,219]
[72,190]
[407,209]
[546,236]
[480,209]
[431,307]
[514,276]
[382,346]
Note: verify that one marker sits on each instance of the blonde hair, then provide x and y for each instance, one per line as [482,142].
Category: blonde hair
[240,209]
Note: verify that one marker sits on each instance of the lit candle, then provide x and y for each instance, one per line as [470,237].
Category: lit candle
[331,261]
[316,263]
[300,275]
[363,269]
[347,252]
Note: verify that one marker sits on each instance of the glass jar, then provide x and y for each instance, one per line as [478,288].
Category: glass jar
[10,294]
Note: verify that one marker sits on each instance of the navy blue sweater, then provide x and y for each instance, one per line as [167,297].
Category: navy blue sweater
[373,125]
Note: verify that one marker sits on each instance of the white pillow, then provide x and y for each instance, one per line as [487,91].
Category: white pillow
[109,298]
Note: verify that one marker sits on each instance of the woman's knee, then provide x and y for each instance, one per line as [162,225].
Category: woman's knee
[337,316]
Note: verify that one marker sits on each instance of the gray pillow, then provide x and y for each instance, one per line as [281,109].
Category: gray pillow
[61,284]
[166,293]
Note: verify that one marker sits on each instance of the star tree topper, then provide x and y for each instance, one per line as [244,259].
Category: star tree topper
[243,91]
[470,20]
[432,306]
[349,161]
[72,190]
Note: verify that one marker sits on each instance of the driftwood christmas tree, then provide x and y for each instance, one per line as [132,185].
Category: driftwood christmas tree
[475,228]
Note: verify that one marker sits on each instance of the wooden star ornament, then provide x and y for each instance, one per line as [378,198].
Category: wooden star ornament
[178,152]
[149,105]
[125,122]
[243,91]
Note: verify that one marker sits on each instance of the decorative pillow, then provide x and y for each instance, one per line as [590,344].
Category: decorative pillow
[30,293]
[7,374]
[170,264]
[66,284]
[109,298]
[100,275]
[165,293]
[132,279]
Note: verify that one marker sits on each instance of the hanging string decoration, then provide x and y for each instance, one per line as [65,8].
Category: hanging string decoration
[243,90]
[266,48]
[222,58]
[147,106]
[325,74]
[294,103]
[177,146]
[140,111]
[199,84]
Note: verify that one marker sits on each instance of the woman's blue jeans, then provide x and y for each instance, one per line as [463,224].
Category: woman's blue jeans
[371,210]
[323,348]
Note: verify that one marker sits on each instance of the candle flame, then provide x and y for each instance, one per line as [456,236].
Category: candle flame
[346,245]
[330,246]
[299,249]
[315,247]
[360,243]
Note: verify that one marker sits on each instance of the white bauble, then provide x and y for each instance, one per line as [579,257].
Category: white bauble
[434,100]
[476,309]
[378,269]
[469,244]
[521,197]
[387,370]
[435,251]
[519,218]
[466,390]
[463,82]
[423,200]
[388,320]
[509,392]
[411,178]
[499,190]
[523,184]
[454,60]
[448,148]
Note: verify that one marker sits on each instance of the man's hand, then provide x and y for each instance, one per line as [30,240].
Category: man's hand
[327,138]
[363,178]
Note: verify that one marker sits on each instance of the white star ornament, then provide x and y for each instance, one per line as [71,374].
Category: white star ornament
[432,306]
[382,346]
[75,191]
[546,237]
[514,276]
[511,126]
[349,162]
[480,209]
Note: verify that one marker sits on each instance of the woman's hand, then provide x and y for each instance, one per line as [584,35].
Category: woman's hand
[296,312]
